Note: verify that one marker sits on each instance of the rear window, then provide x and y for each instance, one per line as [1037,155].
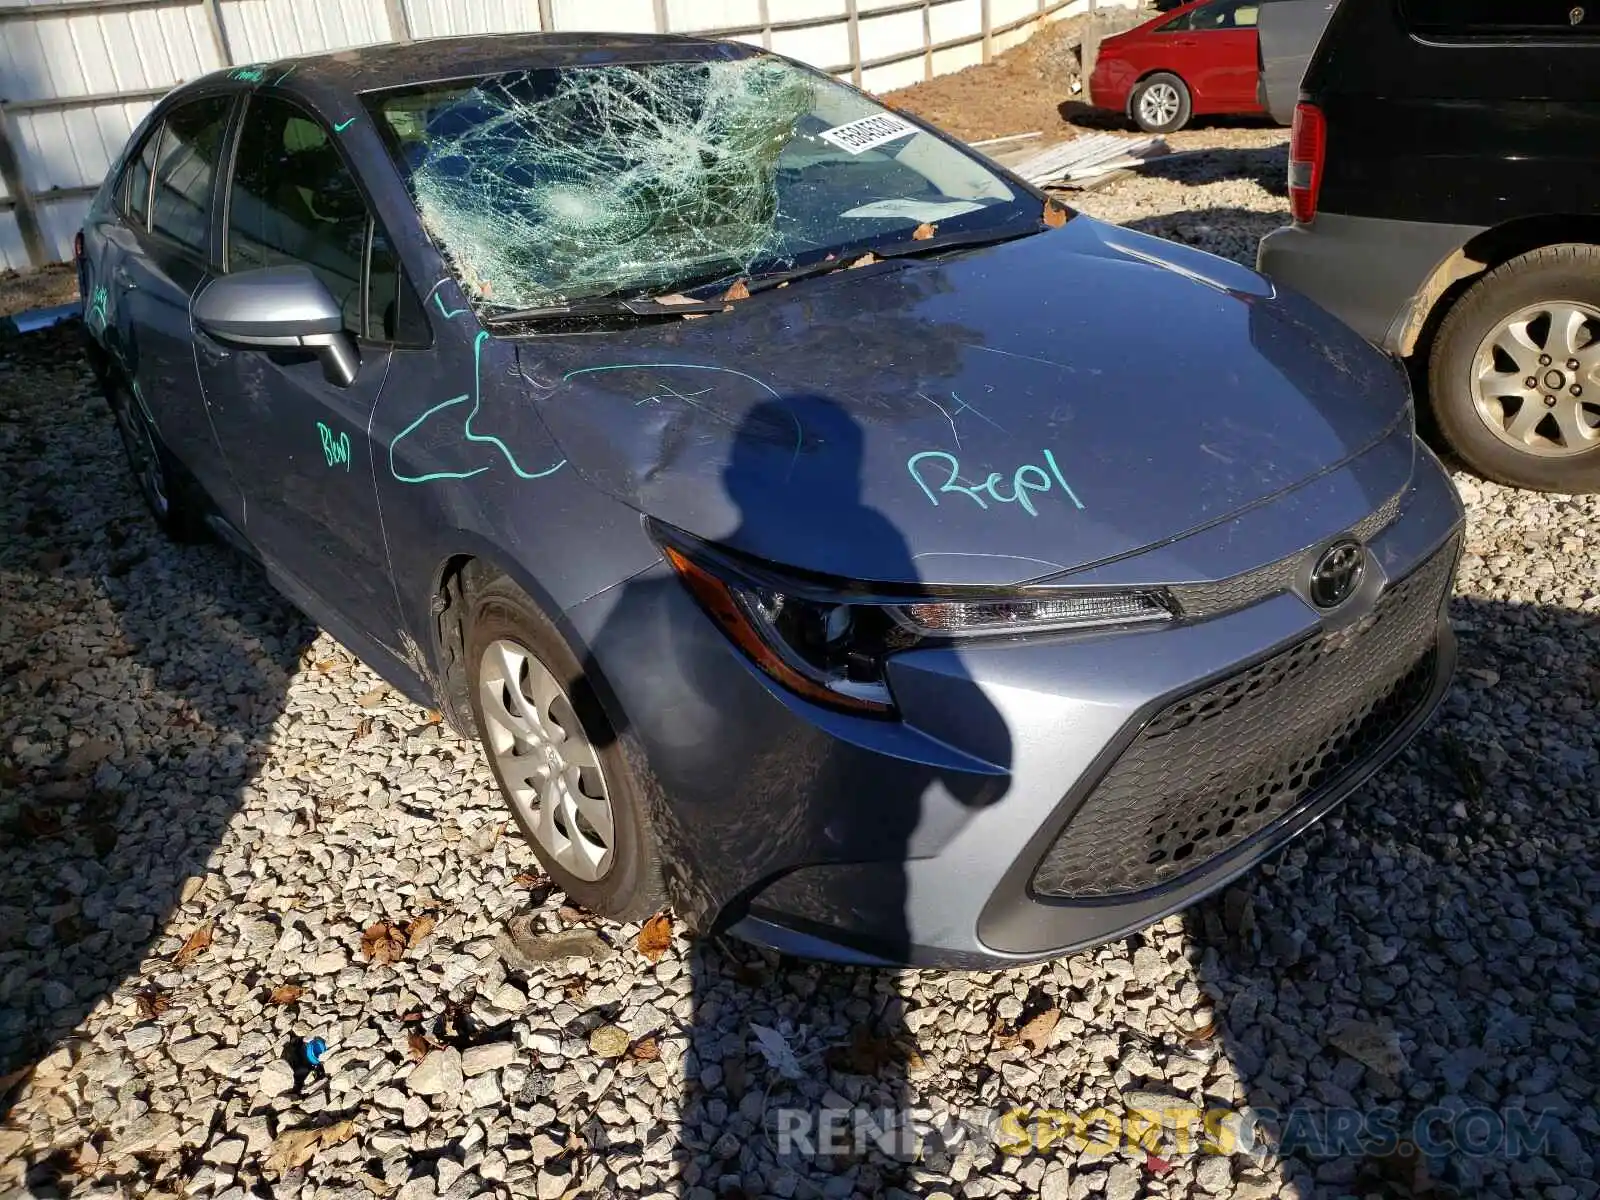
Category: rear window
[1501,19]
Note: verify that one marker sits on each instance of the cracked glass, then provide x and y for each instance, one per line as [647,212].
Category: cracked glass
[549,186]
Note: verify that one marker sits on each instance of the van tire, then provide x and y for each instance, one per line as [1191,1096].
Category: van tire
[1567,274]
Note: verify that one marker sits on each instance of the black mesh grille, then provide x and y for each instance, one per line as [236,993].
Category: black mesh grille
[1222,763]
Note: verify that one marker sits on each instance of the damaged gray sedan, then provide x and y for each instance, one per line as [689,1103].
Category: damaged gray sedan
[823,532]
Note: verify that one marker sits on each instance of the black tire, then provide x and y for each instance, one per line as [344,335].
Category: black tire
[631,887]
[168,490]
[1147,122]
[1562,274]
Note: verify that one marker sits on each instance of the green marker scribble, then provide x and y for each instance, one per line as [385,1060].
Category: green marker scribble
[335,449]
[466,431]
[448,312]
[250,74]
[344,124]
[98,302]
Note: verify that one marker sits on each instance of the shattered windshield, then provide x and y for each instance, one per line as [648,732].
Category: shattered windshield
[550,186]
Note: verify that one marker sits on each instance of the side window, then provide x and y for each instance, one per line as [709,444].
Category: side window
[394,314]
[1179,24]
[185,168]
[135,194]
[293,200]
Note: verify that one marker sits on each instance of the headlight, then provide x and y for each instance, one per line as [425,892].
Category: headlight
[830,643]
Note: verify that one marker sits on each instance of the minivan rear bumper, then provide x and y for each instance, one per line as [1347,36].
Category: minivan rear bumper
[1367,271]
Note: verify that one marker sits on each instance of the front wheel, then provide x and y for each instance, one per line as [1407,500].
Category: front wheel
[558,760]
[1161,104]
[1514,375]
[163,484]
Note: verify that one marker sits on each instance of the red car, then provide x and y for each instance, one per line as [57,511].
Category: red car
[1195,60]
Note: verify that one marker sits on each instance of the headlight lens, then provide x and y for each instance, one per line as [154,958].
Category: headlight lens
[831,646]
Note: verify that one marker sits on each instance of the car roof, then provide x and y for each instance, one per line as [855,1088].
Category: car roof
[404,64]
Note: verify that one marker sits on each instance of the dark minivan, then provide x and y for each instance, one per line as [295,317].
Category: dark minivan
[1446,198]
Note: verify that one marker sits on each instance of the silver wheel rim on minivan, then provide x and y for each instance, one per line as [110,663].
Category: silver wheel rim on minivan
[1536,379]
[1158,104]
[551,772]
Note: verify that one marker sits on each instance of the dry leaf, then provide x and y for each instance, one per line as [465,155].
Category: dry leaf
[923,232]
[866,260]
[655,939]
[152,1001]
[382,943]
[325,665]
[737,292]
[417,1046]
[434,716]
[285,993]
[378,1187]
[572,916]
[1054,215]
[1202,1034]
[529,878]
[645,1050]
[1035,1034]
[193,945]
[296,1147]
[418,929]
[375,697]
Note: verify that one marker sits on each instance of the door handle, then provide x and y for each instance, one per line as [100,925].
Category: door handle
[124,280]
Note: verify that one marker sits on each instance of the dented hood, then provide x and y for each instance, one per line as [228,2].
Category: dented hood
[995,416]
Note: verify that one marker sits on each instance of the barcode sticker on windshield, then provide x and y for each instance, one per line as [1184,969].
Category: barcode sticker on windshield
[856,136]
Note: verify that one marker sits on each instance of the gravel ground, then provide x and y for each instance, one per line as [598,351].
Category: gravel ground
[223,836]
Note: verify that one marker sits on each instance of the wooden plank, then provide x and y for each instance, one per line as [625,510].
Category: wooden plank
[28,226]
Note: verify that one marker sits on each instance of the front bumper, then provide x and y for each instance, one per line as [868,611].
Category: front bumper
[920,840]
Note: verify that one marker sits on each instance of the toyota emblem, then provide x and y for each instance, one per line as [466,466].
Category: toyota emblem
[1336,574]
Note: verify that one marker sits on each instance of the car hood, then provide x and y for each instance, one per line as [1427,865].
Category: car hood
[988,417]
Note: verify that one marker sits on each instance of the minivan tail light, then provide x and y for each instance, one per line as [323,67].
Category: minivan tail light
[1308,147]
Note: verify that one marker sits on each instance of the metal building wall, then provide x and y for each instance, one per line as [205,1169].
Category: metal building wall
[76,76]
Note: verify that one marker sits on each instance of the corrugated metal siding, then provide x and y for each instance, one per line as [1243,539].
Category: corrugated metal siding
[444,18]
[263,30]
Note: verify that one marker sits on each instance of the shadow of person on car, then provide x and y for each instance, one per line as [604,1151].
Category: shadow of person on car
[139,685]
[1438,934]
[776,1044]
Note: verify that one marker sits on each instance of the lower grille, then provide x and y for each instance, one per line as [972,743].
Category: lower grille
[1227,761]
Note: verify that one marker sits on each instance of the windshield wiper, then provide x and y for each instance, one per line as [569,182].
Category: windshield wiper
[763,280]
[644,307]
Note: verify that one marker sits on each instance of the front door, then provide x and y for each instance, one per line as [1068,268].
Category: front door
[297,443]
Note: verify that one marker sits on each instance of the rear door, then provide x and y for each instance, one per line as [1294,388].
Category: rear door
[1222,49]
[299,444]
[161,257]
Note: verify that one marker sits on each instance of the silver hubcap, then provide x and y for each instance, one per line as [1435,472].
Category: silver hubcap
[550,770]
[1159,104]
[1536,379]
[139,441]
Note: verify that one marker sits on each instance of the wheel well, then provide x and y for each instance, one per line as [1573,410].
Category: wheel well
[448,607]
[1484,252]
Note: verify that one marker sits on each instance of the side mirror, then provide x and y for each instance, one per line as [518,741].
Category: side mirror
[284,307]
